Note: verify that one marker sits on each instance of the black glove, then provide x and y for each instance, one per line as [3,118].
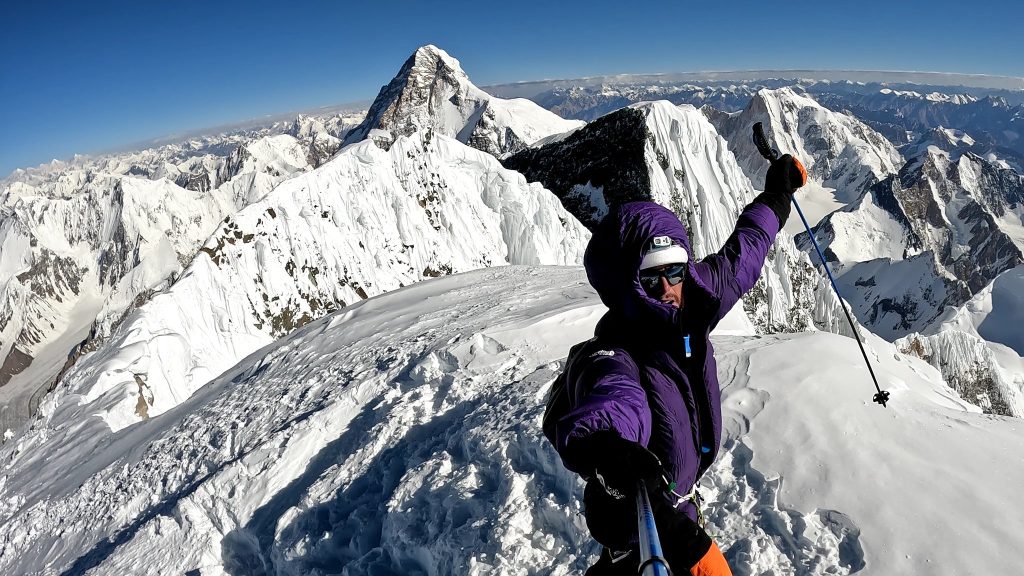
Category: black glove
[618,463]
[785,175]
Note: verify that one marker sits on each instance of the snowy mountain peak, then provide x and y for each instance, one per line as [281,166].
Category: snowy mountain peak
[430,56]
[843,156]
[927,238]
[431,92]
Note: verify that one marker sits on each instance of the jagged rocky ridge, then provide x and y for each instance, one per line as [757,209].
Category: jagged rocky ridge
[949,225]
[431,91]
[673,156]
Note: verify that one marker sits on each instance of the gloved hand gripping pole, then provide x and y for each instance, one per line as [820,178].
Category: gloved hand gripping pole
[652,560]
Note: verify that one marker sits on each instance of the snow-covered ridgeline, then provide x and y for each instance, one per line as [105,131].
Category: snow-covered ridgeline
[199,163]
[402,435]
[369,221]
[984,373]
[838,150]
[431,91]
[81,248]
[843,156]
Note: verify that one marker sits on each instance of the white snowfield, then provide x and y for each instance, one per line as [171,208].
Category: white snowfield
[401,435]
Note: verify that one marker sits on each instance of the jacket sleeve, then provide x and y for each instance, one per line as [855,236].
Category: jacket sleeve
[733,270]
[604,394]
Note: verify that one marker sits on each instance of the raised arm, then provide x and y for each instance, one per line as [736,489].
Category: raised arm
[733,270]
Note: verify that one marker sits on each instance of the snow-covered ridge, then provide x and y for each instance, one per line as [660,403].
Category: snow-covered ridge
[402,435]
[946,226]
[84,242]
[367,222]
[978,346]
[431,91]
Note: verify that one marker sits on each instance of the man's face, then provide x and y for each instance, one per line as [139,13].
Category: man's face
[665,283]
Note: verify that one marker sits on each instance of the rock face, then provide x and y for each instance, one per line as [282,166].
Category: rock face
[320,142]
[431,91]
[673,156]
[929,237]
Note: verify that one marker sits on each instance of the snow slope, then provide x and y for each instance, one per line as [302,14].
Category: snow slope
[401,435]
[978,346]
[995,313]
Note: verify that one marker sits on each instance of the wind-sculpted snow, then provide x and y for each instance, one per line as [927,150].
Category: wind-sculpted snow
[401,435]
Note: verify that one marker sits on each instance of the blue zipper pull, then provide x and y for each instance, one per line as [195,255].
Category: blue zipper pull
[686,343]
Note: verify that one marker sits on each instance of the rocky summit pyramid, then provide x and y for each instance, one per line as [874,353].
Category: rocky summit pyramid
[431,91]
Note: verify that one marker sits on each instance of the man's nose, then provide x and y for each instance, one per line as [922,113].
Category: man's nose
[663,282]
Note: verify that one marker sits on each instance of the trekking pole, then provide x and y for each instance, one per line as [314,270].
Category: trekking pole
[652,561]
[771,155]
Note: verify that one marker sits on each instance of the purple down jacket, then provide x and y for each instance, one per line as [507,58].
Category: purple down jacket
[635,377]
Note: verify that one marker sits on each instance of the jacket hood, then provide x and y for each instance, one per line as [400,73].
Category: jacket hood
[613,256]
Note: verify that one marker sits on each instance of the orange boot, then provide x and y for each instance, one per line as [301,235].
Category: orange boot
[712,564]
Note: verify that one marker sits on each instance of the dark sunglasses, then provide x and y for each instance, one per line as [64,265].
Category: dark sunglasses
[674,274]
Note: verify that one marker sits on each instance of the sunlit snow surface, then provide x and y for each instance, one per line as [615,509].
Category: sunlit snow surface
[401,436]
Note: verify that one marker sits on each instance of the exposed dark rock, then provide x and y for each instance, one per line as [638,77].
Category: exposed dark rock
[608,154]
[15,363]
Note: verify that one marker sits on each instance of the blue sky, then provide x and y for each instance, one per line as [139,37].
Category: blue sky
[82,77]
